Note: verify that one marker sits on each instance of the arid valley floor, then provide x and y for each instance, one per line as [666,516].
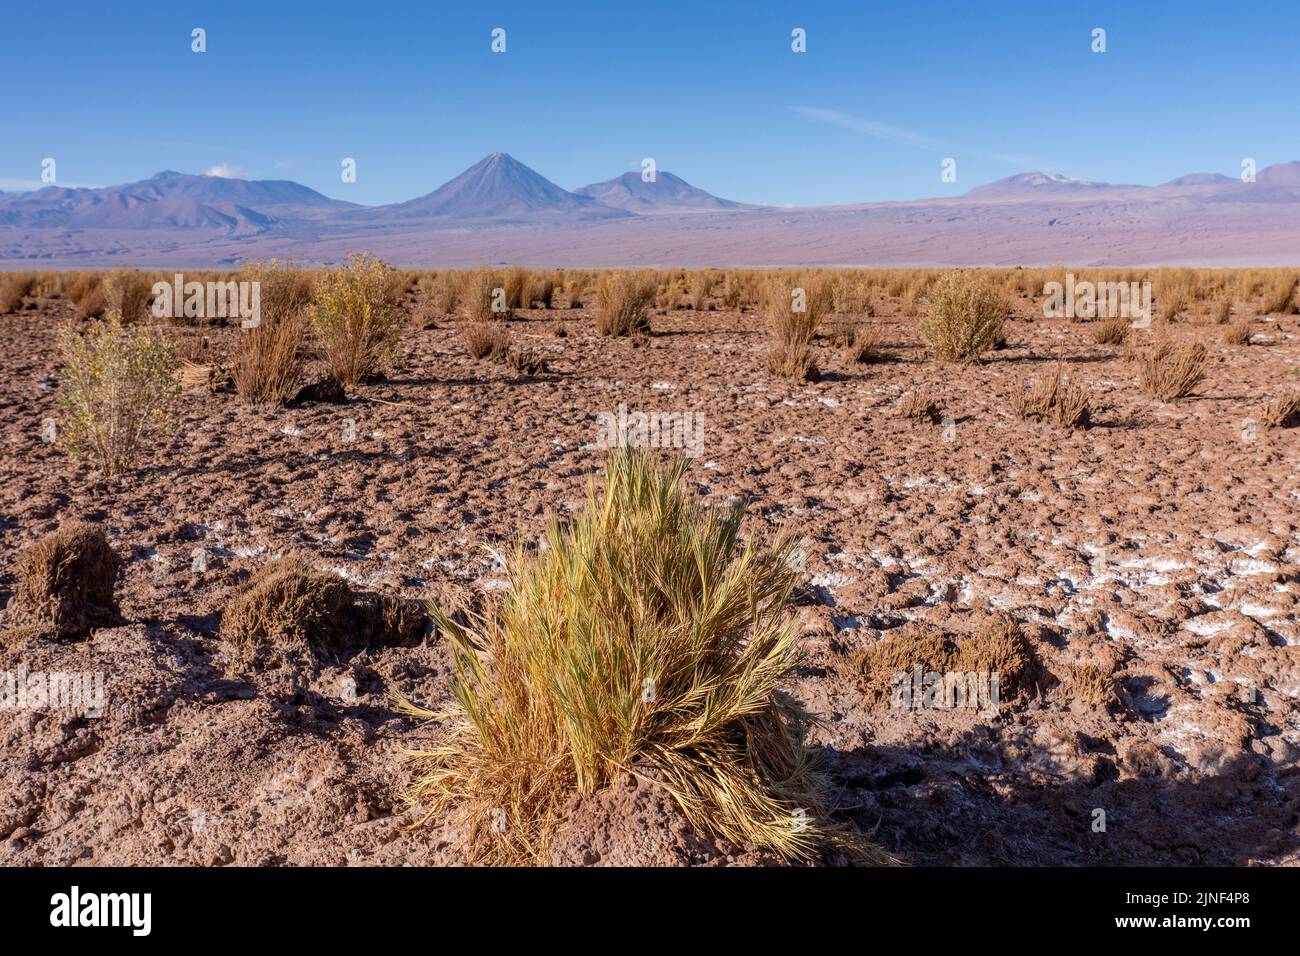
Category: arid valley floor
[1157,551]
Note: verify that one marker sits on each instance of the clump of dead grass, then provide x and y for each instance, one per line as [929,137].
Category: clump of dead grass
[1282,412]
[997,647]
[794,309]
[484,339]
[66,581]
[267,362]
[1054,400]
[1113,330]
[285,610]
[1238,333]
[13,287]
[638,638]
[622,302]
[919,406]
[1169,370]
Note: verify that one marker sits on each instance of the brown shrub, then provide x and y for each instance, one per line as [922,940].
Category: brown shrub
[483,298]
[485,339]
[66,581]
[1091,686]
[1053,400]
[1279,294]
[525,361]
[287,608]
[1170,370]
[1112,331]
[1237,334]
[356,319]
[858,342]
[794,309]
[622,302]
[128,292]
[917,405]
[13,287]
[267,363]
[1283,411]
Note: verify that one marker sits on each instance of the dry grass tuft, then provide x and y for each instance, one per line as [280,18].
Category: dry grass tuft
[622,301]
[1053,400]
[267,362]
[13,287]
[1282,412]
[1238,333]
[1279,295]
[485,339]
[858,342]
[285,609]
[66,581]
[1092,687]
[965,316]
[918,406]
[1170,370]
[794,309]
[998,647]
[1113,330]
[642,638]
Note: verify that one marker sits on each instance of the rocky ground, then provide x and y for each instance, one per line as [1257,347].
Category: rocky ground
[1156,554]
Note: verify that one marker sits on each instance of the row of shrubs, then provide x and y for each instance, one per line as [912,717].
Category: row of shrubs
[351,318]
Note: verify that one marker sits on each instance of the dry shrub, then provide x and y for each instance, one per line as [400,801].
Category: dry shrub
[282,289]
[484,339]
[622,301]
[1238,333]
[483,297]
[128,293]
[998,647]
[446,292]
[1221,311]
[13,287]
[93,303]
[858,342]
[918,406]
[1170,370]
[965,316]
[66,581]
[639,640]
[285,609]
[1113,330]
[698,286]
[1091,686]
[516,284]
[357,321]
[1283,411]
[794,309]
[1053,400]
[525,361]
[118,389]
[267,362]
[1280,294]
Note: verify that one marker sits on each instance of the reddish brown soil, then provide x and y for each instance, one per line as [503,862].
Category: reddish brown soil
[1161,545]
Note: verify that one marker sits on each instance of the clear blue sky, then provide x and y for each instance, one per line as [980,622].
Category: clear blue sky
[712,91]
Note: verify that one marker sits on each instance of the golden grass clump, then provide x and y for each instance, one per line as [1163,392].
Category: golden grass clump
[858,342]
[1113,330]
[118,389]
[282,289]
[287,608]
[794,308]
[997,647]
[642,638]
[482,297]
[13,287]
[356,320]
[1282,412]
[1170,370]
[918,406]
[1053,400]
[622,302]
[128,293]
[267,362]
[1279,294]
[1092,687]
[485,339]
[965,316]
[1238,333]
[66,581]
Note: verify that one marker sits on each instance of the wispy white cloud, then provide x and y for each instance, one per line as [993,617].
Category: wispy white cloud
[226,171]
[907,137]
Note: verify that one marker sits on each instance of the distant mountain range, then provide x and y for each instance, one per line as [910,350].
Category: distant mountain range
[500,210]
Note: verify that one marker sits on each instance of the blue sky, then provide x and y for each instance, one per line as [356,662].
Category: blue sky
[712,91]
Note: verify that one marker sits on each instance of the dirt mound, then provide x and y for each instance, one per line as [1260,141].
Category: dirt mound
[67,581]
